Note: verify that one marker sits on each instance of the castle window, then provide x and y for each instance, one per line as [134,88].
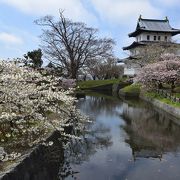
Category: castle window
[148,37]
[159,38]
[154,38]
[165,38]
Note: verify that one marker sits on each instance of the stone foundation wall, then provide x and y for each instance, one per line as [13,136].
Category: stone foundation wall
[169,109]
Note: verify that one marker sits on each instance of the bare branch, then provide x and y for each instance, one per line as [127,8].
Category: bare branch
[72,45]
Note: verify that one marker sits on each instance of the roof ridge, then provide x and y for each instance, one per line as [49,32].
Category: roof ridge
[164,20]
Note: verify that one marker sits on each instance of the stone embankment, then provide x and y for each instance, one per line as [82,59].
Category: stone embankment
[175,111]
[41,163]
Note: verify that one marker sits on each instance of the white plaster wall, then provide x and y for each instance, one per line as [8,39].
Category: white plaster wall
[143,36]
[129,71]
[139,38]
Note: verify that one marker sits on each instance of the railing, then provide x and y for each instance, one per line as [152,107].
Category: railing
[168,95]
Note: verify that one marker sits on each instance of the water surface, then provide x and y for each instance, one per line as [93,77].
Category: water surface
[139,142]
[128,140]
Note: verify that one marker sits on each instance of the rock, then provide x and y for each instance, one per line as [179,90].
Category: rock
[2,154]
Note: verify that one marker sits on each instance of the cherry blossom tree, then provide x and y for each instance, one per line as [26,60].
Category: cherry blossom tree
[150,53]
[32,105]
[165,70]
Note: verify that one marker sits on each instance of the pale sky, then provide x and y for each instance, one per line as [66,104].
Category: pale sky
[113,18]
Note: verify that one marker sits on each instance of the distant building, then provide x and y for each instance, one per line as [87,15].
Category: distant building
[149,31]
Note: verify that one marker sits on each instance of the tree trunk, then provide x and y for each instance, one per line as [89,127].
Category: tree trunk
[73,73]
[160,85]
[172,85]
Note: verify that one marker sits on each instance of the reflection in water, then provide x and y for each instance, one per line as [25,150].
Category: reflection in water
[97,105]
[79,151]
[53,162]
[124,138]
[151,133]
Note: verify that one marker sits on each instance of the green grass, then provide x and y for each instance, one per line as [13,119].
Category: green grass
[177,89]
[134,88]
[176,95]
[162,99]
[95,83]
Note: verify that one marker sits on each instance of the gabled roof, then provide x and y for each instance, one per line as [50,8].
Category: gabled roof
[153,25]
[133,45]
[144,43]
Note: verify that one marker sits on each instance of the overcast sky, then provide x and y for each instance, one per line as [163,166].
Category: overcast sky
[113,18]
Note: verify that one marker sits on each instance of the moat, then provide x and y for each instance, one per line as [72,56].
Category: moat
[128,140]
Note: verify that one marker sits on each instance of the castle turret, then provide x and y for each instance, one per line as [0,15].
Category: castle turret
[150,31]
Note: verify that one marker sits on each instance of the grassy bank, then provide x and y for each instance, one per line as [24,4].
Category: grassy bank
[96,83]
[162,99]
[132,90]
[135,90]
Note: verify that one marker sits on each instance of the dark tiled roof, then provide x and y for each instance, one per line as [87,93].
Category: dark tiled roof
[144,43]
[133,45]
[153,25]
